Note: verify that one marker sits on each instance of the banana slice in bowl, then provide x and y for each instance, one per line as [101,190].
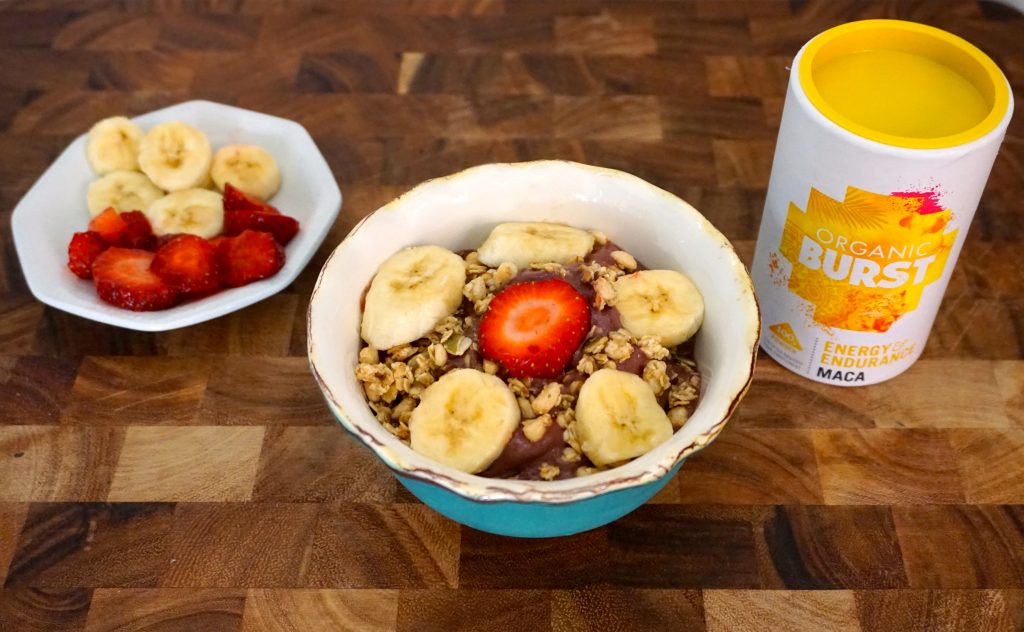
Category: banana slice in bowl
[413,290]
[464,420]
[123,190]
[113,145]
[662,303]
[523,243]
[193,211]
[249,168]
[175,156]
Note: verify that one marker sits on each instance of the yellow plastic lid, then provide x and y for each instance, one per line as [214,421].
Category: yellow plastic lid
[972,100]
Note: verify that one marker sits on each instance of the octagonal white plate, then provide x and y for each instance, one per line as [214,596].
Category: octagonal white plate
[54,208]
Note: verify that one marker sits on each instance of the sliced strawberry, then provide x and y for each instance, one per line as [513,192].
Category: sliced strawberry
[138,233]
[109,225]
[122,277]
[188,263]
[533,328]
[82,251]
[282,227]
[235,200]
[130,229]
[248,257]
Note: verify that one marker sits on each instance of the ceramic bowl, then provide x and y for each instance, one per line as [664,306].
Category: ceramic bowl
[458,212]
[54,209]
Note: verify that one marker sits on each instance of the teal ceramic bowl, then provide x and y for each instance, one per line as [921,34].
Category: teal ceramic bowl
[458,212]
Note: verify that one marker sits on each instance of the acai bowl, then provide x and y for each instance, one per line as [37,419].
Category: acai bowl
[458,213]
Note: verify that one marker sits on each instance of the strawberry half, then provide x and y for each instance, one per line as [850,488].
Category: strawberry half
[533,328]
[249,257]
[126,230]
[188,263]
[122,277]
[82,251]
[235,200]
[282,227]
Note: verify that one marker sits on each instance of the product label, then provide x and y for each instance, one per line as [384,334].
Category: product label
[862,264]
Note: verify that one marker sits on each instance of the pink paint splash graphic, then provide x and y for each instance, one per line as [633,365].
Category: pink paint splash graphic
[929,200]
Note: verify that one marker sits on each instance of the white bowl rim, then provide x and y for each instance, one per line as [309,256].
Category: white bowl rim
[640,471]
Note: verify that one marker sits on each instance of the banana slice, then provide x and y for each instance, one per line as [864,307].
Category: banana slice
[113,145]
[618,417]
[413,290]
[194,211]
[464,420]
[248,168]
[662,303]
[124,190]
[523,243]
[175,156]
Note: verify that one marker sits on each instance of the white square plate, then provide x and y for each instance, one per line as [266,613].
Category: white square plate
[54,209]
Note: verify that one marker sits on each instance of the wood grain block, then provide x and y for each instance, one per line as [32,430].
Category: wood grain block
[224,71]
[32,29]
[753,466]
[974,328]
[747,75]
[137,391]
[137,70]
[743,164]
[1010,381]
[878,466]
[626,609]
[238,544]
[347,71]
[779,398]
[989,462]
[267,391]
[60,334]
[300,464]
[379,546]
[912,610]
[605,34]
[27,70]
[753,610]
[682,36]
[490,561]
[473,610]
[19,318]
[52,463]
[675,546]
[814,547]
[962,546]
[12,517]
[263,329]
[165,609]
[971,396]
[108,31]
[192,32]
[719,118]
[91,545]
[35,389]
[608,117]
[43,610]
[276,610]
[200,463]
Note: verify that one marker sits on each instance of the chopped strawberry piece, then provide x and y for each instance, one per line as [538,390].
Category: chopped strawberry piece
[235,200]
[109,225]
[282,227]
[138,233]
[534,328]
[248,257]
[126,230]
[188,263]
[122,277]
[82,251]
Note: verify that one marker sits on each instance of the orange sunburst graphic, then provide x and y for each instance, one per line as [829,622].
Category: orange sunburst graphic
[864,262]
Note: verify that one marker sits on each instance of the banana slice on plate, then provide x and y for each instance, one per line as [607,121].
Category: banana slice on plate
[248,168]
[175,156]
[113,145]
[523,243]
[662,303]
[123,190]
[618,417]
[464,420]
[413,290]
[194,211]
